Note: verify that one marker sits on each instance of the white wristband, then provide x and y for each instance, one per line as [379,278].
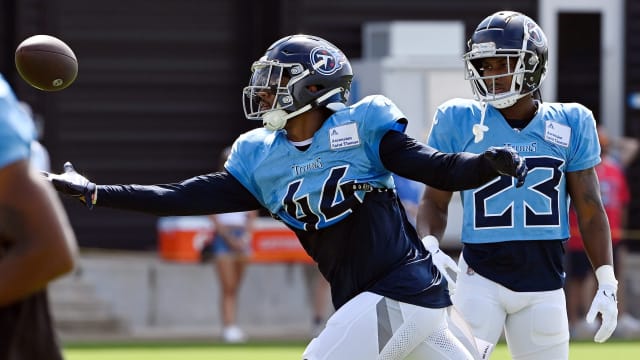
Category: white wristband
[431,243]
[606,276]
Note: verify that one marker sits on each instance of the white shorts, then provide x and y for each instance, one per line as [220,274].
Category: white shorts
[371,326]
[535,323]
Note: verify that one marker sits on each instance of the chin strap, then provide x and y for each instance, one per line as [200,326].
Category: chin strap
[277,119]
[505,103]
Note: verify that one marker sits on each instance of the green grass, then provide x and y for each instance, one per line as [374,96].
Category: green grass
[186,351]
[614,350]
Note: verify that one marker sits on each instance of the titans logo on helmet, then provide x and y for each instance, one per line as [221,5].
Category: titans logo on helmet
[536,35]
[331,57]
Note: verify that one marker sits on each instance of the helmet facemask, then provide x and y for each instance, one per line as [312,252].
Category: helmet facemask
[277,79]
[522,66]
[269,78]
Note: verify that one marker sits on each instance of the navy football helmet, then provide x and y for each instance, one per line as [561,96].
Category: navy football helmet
[302,72]
[519,39]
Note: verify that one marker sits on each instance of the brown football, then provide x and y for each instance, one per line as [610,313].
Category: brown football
[46,63]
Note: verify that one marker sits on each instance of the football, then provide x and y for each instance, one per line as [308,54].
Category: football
[46,63]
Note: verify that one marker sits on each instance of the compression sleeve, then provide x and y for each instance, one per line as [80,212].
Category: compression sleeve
[450,172]
[201,195]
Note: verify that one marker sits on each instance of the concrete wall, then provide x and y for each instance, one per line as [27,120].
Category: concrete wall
[153,297]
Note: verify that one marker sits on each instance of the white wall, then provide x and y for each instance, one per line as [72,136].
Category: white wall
[612,96]
[422,69]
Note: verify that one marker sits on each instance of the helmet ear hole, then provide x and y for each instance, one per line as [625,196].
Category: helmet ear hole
[296,70]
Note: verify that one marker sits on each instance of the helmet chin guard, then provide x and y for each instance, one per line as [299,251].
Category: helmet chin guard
[275,119]
[503,102]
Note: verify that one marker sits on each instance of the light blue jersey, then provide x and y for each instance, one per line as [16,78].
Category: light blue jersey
[560,138]
[316,188]
[16,128]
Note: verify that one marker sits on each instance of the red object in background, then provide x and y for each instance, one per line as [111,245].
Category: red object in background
[180,239]
[273,242]
[615,195]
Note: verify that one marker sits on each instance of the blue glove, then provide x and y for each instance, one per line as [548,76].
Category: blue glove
[506,161]
[73,184]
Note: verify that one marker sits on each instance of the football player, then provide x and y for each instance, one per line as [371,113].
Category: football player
[324,169]
[511,271]
[37,243]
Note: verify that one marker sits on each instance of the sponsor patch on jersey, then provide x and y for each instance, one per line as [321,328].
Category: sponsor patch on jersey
[557,134]
[344,136]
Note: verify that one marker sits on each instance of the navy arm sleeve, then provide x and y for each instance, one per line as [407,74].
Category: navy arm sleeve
[201,195]
[407,157]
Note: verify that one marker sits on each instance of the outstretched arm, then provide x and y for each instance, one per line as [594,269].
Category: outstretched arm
[206,194]
[451,172]
[201,195]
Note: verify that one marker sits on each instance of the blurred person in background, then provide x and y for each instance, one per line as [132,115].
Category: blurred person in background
[231,250]
[621,150]
[39,154]
[616,154]
[37,243]
[319,295]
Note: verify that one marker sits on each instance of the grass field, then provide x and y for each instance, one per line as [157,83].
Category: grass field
[293,351]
